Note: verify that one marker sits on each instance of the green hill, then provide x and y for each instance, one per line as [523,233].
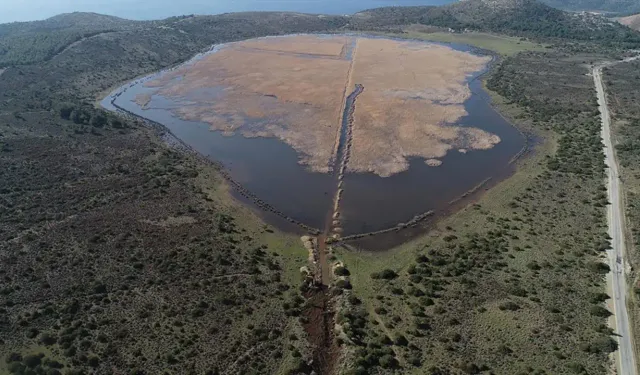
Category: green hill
[529,18]
[631,21]
[30,42]
[614,6]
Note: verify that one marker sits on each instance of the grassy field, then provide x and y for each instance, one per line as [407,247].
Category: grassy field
[512,284]
[501,44]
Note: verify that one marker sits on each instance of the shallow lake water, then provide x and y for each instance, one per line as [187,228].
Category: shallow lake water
[269,168]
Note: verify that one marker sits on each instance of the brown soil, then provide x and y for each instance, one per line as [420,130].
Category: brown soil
[320,314]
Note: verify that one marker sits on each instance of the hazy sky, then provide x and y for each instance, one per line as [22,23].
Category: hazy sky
[29,10]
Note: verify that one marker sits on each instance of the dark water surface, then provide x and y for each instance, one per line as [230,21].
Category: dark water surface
[269,168]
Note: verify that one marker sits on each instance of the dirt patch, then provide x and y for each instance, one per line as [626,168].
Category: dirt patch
[320,324]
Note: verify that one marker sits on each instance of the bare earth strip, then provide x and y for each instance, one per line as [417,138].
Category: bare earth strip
[616,255]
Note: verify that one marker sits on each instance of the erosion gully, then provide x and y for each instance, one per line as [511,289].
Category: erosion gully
[321,313]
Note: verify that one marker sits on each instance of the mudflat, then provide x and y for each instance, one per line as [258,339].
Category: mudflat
[294,88]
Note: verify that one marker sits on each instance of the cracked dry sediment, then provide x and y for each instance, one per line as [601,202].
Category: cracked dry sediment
[292,88]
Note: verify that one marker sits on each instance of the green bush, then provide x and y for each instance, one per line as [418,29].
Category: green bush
[388,361]
[386,274]
[600,311]
[341,271]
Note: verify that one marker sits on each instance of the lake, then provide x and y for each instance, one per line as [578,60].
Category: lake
[271,170]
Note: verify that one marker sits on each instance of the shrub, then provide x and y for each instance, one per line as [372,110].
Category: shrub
[600,311]
[32,360]
[599,267]
[601,345]
[470,368]
[400,340]
[598,297]
[414,360]
[577,368]
[47,339]
[533,266]
[387,361]
[341,271]
[343,284]
[386,274]
[94,361]
[509,305]
[14,357]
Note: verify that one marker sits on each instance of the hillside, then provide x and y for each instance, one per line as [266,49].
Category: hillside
[24,43]
[613,6]
[30,42]
[631,21]
[528,18]
[79,21]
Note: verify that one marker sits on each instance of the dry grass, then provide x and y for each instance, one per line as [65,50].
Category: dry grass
[143,100]
[300,44]
[268,94]
[273,87]
[412,92]
[631,21]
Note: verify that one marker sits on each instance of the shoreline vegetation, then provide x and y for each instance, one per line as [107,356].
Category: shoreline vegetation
[133,257]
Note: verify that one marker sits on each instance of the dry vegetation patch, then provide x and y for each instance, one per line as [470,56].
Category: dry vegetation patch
[294,88]
[262,93]
[413,92]
[300,44]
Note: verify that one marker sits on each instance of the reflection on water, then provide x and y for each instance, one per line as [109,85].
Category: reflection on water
[270,170]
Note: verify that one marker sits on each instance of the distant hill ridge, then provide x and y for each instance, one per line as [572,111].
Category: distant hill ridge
[32,42]
[631,21]
[77,20]
[609,6]
[529,18]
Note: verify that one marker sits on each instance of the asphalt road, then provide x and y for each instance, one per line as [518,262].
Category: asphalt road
[625,356]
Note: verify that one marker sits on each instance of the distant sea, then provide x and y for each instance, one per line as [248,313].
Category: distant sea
[29,10]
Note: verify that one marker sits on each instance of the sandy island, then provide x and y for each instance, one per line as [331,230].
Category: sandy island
[294,88]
